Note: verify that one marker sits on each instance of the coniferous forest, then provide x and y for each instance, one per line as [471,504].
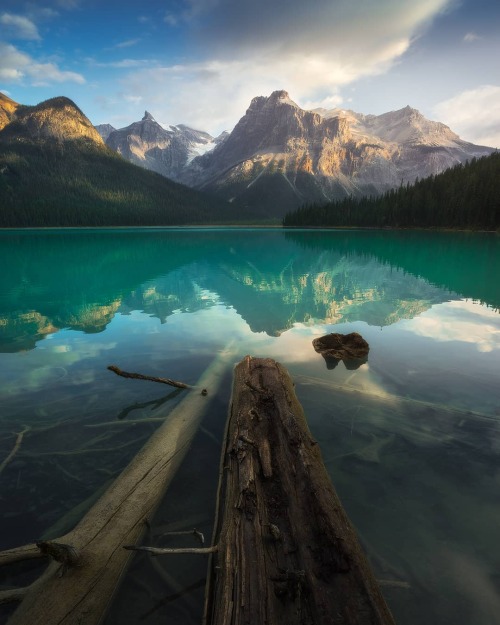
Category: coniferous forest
[76,183]
[466,196]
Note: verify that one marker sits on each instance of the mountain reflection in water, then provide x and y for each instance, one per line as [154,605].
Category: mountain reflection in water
[80,280]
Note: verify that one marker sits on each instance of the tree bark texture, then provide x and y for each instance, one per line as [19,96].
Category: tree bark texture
[287,552]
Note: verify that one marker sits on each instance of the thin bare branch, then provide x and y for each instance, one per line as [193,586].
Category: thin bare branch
[140,376]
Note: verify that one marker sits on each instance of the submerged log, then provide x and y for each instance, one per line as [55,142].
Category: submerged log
[82,594]
[287,552]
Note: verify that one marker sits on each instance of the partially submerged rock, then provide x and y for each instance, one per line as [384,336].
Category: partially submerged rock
[351,348]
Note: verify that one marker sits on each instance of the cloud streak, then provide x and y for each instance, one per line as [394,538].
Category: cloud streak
[310,49]
[128,43]
[19,27]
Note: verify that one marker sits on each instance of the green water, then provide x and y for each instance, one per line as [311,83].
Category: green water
[411,438]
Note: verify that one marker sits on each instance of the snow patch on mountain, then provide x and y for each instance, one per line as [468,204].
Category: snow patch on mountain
[198,149]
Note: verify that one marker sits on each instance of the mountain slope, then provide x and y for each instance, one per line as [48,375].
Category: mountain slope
[55,170]
[280,156]
[7,110]
[57,119]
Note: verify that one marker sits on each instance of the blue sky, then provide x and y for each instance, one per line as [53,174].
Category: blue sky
[200,62]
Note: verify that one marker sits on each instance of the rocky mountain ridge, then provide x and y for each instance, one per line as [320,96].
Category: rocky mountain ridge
[280,156]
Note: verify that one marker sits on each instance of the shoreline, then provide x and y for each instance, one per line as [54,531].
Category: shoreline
[236,227]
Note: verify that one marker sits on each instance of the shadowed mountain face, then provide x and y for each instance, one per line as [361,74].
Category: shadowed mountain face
[81,280]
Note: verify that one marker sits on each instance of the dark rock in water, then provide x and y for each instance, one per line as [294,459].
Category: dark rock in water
[351,348]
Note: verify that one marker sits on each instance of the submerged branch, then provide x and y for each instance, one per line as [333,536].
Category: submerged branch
[194,532]
[173,597]
[17,444]
[108,424]
[18,554]
[161,551]
[394,583]
[140,376]
[13,595]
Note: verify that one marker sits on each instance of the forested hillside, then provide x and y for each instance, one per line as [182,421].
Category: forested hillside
[466,196]
[80,184]
[56,171]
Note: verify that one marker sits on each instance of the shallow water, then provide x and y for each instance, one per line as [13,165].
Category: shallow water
[411,438]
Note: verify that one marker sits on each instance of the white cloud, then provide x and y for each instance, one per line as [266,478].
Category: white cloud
[45,73]
[471,37]
[474,114]
[123,63]
[45,12]
[19,27]
[16,66]
[330,102]
[256,46]
[171,19]
[135,99]
[12,62]
[462,321]
[127,43]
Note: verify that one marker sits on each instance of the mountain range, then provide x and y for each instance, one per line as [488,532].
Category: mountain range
[280,156]
[55,170]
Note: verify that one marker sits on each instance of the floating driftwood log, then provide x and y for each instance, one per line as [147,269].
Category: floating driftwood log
[286,551]
[91,555]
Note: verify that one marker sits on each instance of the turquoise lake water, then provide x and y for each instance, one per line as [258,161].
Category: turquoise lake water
[411,438]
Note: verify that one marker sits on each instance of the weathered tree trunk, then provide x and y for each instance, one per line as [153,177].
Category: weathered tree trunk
[287,552]
[81,596]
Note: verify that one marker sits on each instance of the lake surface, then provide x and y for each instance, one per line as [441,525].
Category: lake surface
[411,438]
